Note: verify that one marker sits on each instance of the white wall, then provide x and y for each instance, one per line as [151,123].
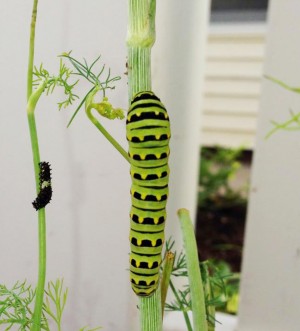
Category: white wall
[270,296]
[178,72]
[87,220]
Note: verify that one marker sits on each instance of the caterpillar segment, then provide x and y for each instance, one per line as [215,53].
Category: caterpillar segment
[148,135]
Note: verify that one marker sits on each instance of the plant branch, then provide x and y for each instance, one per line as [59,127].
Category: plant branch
[195,280]
[31,49]
[32,99]
[181,307]
[167,271]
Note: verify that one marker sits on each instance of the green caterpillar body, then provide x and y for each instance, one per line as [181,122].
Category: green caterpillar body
[148,134]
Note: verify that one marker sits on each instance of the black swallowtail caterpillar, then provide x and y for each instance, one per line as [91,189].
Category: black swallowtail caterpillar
[45,193]
[148,134]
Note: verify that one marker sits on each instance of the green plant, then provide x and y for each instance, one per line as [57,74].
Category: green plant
[217,167]
[229,297]
[16,306]
[293,123]
[213,283]
[34,309]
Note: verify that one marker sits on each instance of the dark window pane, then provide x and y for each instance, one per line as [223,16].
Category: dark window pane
[223,5]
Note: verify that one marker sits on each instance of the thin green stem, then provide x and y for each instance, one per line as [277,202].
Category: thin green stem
[31,49]
[192,262]
[185,314]
[165,280]
[211,311]
[36,325]
[105,133]
[32,99]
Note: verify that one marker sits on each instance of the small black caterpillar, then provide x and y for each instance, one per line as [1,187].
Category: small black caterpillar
[45,194]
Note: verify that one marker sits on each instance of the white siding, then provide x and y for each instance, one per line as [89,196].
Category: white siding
[233,75]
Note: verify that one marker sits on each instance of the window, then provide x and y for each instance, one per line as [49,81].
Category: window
[238,10]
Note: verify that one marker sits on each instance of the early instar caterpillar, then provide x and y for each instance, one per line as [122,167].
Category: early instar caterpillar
[45,193]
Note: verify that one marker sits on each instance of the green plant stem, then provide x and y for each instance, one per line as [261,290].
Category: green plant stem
[185,314]
[31,49]
[32,99]
[195,280]
[211,311]
[140,39]
[106,134]
[165,280]
[150,308]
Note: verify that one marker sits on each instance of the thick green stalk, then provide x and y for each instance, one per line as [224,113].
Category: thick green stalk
[195,280]
[140,39]
[32,99]
[150,312]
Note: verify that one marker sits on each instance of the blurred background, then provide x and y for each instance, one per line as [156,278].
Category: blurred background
[208,66]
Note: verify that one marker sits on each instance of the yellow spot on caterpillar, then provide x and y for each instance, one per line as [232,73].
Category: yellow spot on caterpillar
[144,176]
[143,196]
[137,263]
[148,282]
[141,220]
[138,114]
[156,112]
[153,243]
[157,137]
[159,175]
[155,220]
[158,156]
[143,156]
[166,116]
[139,242]
[150,264]
[141,138]
[169,135]
[158,197]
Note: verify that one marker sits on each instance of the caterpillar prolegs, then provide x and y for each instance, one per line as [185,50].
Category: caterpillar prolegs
[148,134]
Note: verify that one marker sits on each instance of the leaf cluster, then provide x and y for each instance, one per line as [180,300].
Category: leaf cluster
[100,79]
[16,309]
[88,71]
[15,306]
[62,79]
